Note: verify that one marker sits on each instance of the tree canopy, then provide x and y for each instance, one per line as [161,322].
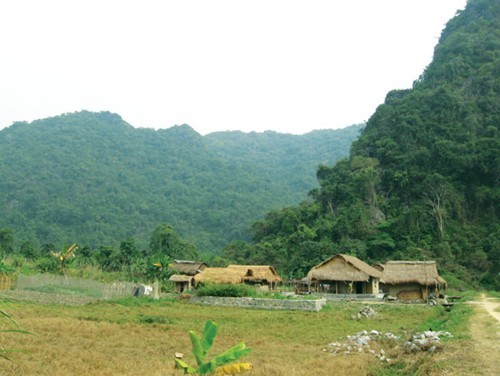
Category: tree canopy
[422,181]
[93,179]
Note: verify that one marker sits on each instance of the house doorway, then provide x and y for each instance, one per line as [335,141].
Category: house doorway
[359,288]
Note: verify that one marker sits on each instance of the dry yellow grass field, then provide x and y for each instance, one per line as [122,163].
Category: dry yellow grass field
[140,338]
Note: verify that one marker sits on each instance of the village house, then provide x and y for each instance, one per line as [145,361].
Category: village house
[344,274]
[187,267]
[219,276]
[185,271]
[410,280]
[262,275]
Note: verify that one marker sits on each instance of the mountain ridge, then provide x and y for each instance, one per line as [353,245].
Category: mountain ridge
[60,174]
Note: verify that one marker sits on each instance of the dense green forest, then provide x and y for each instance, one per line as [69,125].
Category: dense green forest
[93,179]
[422,181]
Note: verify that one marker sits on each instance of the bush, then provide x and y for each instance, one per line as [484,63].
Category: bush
[47,265]
[152,319]
[226,290]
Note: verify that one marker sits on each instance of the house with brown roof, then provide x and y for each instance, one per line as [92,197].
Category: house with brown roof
[187,267]
[410,280]
[185,270]
[344,274]
[219,276]
[263,275]
[182,282]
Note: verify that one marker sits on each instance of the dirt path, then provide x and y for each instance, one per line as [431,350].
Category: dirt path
[485,333]
[491,306]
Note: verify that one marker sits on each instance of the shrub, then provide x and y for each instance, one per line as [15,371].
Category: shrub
[153,319]
[47,265]
[226,290]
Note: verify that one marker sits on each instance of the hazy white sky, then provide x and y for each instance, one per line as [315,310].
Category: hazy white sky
[284,65]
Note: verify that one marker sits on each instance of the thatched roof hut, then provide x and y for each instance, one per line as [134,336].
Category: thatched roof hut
[423,273]
[182,282]
[181,278]
[188,267]
[343,268]
[258,273]
[344,274]
[220,276]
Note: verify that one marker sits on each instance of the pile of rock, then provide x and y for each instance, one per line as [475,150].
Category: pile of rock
[360,343]
[426,341]
[365,313]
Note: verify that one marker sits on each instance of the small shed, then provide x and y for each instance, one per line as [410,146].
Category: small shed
[182,282]
[264,275]
[219,276]
[344,274]
[410,280]
[188,267]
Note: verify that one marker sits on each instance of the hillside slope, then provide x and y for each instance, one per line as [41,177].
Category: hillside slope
[422,181]
[92,178]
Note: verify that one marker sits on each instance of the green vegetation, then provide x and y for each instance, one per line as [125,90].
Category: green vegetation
[92,179]
[152,319]
[421,182]
[231,290]
[219,363]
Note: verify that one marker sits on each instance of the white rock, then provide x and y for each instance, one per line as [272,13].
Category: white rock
[363,340]
[429,334]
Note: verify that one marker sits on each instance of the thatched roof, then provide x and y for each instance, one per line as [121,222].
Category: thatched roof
[399,272]
[188,267]
[258,272]
[220,275]
[343,268]
[181,278]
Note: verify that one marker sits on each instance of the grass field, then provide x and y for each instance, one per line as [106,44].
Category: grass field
[139,337]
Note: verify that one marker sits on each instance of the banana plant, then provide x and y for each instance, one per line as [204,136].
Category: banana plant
[63,256]
[221,364]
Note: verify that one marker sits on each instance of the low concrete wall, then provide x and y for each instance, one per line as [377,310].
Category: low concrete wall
[259,303]
[357,297]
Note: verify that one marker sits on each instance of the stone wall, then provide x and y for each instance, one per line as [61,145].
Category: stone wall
[349,297]
[259,303]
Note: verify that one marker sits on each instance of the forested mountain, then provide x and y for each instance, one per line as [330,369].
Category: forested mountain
[93,179]
[422,181]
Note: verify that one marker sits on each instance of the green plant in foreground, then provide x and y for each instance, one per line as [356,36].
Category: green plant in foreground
[17,329]
[220,364]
